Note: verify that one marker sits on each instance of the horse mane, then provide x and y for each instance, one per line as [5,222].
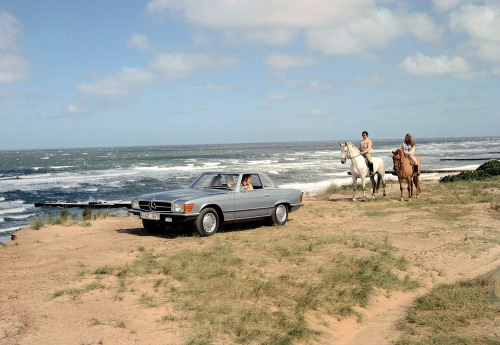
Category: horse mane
[400,152]
[356,150]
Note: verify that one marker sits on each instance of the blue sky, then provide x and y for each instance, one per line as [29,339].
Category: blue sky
[166,72]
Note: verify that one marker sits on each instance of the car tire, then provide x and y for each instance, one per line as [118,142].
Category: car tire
[279,215]
[152,226]
[207,222]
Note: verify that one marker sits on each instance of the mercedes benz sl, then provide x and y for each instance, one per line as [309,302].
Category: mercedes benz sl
[215,198]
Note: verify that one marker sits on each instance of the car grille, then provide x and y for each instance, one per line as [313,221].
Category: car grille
[159,206]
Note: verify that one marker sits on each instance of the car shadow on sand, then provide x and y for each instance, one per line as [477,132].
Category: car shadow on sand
[187,231]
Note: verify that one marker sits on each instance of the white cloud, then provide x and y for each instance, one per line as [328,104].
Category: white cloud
[286,61]
[220,88]
[271,23]
[478,22]
[278,96]
[422,26]
[374,80]
[424,66]
[373,31]
[486,52]
[9,28]
[124,83]
[162,68]
[13,67]
[258,14]
[75,108]
[481,26]
[317,112]
[335,27]
[139,42]
[445,5]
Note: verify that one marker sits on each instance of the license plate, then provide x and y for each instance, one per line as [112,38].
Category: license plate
[151,216]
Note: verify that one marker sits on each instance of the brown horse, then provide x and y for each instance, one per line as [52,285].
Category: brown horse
[404,170]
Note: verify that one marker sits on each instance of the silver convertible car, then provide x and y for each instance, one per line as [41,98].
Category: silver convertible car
[217,197]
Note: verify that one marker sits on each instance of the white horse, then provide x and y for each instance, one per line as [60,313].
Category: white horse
[359,169]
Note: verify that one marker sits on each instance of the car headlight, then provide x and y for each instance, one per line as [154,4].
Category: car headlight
[135,204]
[176,207]
[186,208]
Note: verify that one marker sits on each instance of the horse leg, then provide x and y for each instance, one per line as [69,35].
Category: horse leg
[383,183]
[354,185]
[416,180]
[410,189]
[401,188]
[363,185]
[374,185]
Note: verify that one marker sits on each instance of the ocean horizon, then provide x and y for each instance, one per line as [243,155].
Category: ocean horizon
[116,174]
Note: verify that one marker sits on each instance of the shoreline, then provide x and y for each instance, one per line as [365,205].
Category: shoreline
[316,187]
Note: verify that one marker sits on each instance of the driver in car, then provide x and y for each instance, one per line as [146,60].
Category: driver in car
[246,182]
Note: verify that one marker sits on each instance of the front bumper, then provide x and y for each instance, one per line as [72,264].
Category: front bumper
[166,217]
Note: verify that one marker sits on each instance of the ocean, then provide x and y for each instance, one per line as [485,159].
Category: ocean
[117,174]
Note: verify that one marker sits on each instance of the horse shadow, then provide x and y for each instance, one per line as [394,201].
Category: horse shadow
[339,199]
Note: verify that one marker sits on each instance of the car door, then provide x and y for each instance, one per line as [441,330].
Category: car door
[252,203]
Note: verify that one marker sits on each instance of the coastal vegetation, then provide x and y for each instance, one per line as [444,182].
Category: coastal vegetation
[466,312]
[264,294]
[64,218]
[486,170]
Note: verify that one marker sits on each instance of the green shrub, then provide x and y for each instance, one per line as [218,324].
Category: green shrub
[87,213]
[486,170]
[64,214]
[38,223]
[491,168]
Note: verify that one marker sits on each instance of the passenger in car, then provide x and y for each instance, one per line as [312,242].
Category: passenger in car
[230,181]
[216,181]
[246,182]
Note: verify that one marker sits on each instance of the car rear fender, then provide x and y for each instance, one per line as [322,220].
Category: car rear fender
[283,202]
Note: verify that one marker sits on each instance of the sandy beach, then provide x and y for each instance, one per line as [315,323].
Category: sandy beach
[442,241]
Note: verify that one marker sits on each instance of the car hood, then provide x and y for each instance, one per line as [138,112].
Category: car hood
[180,194]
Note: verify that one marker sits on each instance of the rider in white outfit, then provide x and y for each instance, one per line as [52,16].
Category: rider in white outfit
[408,147]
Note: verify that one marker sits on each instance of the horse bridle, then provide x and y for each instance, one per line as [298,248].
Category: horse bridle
[349,156]
[400,159]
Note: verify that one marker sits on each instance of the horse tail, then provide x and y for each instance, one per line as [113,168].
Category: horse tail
[379,181]
[381,170]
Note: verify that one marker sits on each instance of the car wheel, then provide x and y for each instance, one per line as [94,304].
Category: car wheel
[207,222]
[152,225]
[280,214]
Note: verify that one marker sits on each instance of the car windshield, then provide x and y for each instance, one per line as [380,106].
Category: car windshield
[216,181]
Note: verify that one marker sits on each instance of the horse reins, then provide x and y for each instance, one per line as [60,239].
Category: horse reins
[400,159]
[349,153]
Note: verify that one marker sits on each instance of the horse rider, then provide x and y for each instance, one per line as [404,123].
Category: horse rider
[408,147]
[364,148]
